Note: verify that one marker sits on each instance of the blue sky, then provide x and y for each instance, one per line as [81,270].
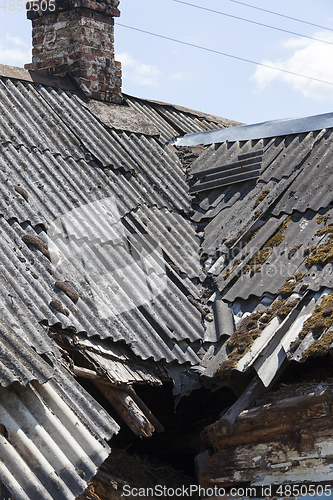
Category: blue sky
[163,70]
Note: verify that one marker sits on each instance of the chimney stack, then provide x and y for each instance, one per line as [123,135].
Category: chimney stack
[77,36]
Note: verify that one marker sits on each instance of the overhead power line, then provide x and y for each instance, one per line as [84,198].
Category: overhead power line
[252,22]
[222,53]
[282,15]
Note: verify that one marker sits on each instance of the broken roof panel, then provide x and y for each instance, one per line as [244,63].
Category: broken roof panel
[42,429]
[121,366]
[267,245]
[18,361]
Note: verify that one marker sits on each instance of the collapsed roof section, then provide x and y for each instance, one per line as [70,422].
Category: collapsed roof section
[266,245]
[98,254]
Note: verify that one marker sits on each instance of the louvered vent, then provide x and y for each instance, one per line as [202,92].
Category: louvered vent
[246,168]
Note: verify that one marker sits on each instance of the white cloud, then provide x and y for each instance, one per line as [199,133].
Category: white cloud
[138,72]
[14,51]
[176,76]
[307,57]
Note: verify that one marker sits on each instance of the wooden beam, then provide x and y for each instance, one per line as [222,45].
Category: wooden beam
[227,422]
[145,410]
[95,377]
[128,410]
[274,463]
[273,420]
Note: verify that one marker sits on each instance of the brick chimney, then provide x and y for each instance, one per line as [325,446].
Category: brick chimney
[77,36]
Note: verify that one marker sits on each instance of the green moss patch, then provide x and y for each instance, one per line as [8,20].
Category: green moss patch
[321,254]
[240,342]
[267,250]
[261,197]
[249,330]
[320,346]
[287,289]
[231,270]
[323,218]
[230,243]
[319,322]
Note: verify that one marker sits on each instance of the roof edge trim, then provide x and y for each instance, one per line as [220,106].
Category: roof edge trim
[262,130]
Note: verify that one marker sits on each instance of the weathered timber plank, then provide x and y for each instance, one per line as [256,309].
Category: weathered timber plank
[274,419]
[128,410]
[271,463]
[226,424]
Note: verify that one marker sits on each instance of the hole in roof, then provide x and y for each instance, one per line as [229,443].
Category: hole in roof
[3,431]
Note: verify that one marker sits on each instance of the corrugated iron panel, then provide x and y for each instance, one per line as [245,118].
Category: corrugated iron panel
[155,163]
[49,452]
[18,361]
[175,120]
[167,132]
[118,299]
[184,123]
[68,128]
[20,107]
[245,168]
[286,259]
[296,175]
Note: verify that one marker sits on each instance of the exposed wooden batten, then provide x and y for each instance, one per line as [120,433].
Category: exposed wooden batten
[127,409]
[104,385]
[226,424]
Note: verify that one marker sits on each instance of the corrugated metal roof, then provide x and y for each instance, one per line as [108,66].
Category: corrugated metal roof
[295,175]
[18,361]
[94,241]
[115,290]
[47,452]
[173,121]
[246,167]
[64,127]
[134,180]
[257,238]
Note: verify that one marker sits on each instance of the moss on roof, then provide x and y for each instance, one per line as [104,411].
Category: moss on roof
[267,249]
[261,197]
[319,324]
[322,254]
[251,327]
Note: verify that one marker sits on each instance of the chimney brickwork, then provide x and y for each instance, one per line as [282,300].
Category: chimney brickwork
[77,36]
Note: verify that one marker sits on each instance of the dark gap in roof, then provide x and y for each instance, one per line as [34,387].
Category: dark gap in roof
[312,370]
[180,442]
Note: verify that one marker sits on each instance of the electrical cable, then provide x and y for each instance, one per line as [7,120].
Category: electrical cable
[222,53]
[282,15]
[252,22]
